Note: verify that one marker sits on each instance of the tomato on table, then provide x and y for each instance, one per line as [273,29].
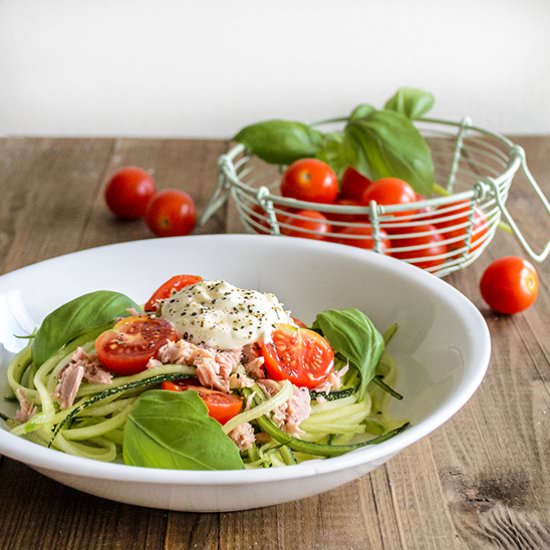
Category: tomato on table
[171,213]
[354,184]
[363,238]
[430,244]
[166,289]
[299,355]
[128,192]
[509,285]
[127,347]
[310,180]
[390,191]
[221,406]
[315,222]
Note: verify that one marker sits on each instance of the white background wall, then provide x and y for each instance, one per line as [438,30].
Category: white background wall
[206,68]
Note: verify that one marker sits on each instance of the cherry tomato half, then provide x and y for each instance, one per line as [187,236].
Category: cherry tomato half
[299,355]
[390,191]
[171,213]
[300,228]
[165,290]
[430,247]
[310,180]
[479,228]
[221,406]
[128,192]
[364,238]
[509,285]
[127,347]
[354,184]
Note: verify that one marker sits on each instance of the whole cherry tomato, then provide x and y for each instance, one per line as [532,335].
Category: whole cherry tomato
[348,218]
[364,238]
[354,184]
[170,213]
[462,210]
[390,191]
[430,244]
[128,192]
[310,180]
[301,228]
[509,285]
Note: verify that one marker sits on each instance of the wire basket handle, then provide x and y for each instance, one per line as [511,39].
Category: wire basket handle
[493,185]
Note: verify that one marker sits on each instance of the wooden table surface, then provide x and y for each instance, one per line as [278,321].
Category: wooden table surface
[480,481]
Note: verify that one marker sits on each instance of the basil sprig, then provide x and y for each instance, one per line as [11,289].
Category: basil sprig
[173,430]
[354,337]
[77,317]
[377,143]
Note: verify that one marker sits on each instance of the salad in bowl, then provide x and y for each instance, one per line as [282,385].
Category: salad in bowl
[204,376]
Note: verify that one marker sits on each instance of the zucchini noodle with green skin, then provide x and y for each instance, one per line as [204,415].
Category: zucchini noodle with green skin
[93,425]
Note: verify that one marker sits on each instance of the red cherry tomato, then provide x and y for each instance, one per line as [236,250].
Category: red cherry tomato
[175,283]
[310,180]
[431,247]
[221,406]
[390,191]
[127,347]
[354,184]
[347,218]
[128,192]
[509,285]
[365,238]
[479,229]
[300,228]
[299,355]
[170,213]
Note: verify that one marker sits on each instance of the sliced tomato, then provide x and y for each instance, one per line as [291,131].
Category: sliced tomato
[165,290]
[299,355]
[221,406]
[128,346]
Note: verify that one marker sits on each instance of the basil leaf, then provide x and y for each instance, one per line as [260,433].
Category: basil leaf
[173,430]
[362,111]
[75,318]
[280,141]
[336,152]
[411,102]
[352,335]
[388,144]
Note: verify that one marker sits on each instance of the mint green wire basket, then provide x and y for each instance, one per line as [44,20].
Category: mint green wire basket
[471,164]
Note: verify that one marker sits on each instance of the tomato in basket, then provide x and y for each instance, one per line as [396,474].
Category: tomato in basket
[347,217]
[462,211]
[390,191]
[431,247]
[363,238]
[310,180]
[353,185]
[316,226]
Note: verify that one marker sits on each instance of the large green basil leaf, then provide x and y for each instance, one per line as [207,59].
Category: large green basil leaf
[76,317]
[352,335]
[387,144]
[411,102]
[280,141]
[173,430]
[361,111]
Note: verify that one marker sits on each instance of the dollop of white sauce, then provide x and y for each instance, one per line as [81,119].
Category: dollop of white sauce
[218,314]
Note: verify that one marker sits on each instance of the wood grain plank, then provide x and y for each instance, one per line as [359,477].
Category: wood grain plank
[481,481]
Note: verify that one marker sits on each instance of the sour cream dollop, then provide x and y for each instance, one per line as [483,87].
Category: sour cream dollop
[218,314]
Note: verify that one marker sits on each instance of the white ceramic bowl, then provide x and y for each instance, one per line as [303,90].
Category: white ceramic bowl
[442,351]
